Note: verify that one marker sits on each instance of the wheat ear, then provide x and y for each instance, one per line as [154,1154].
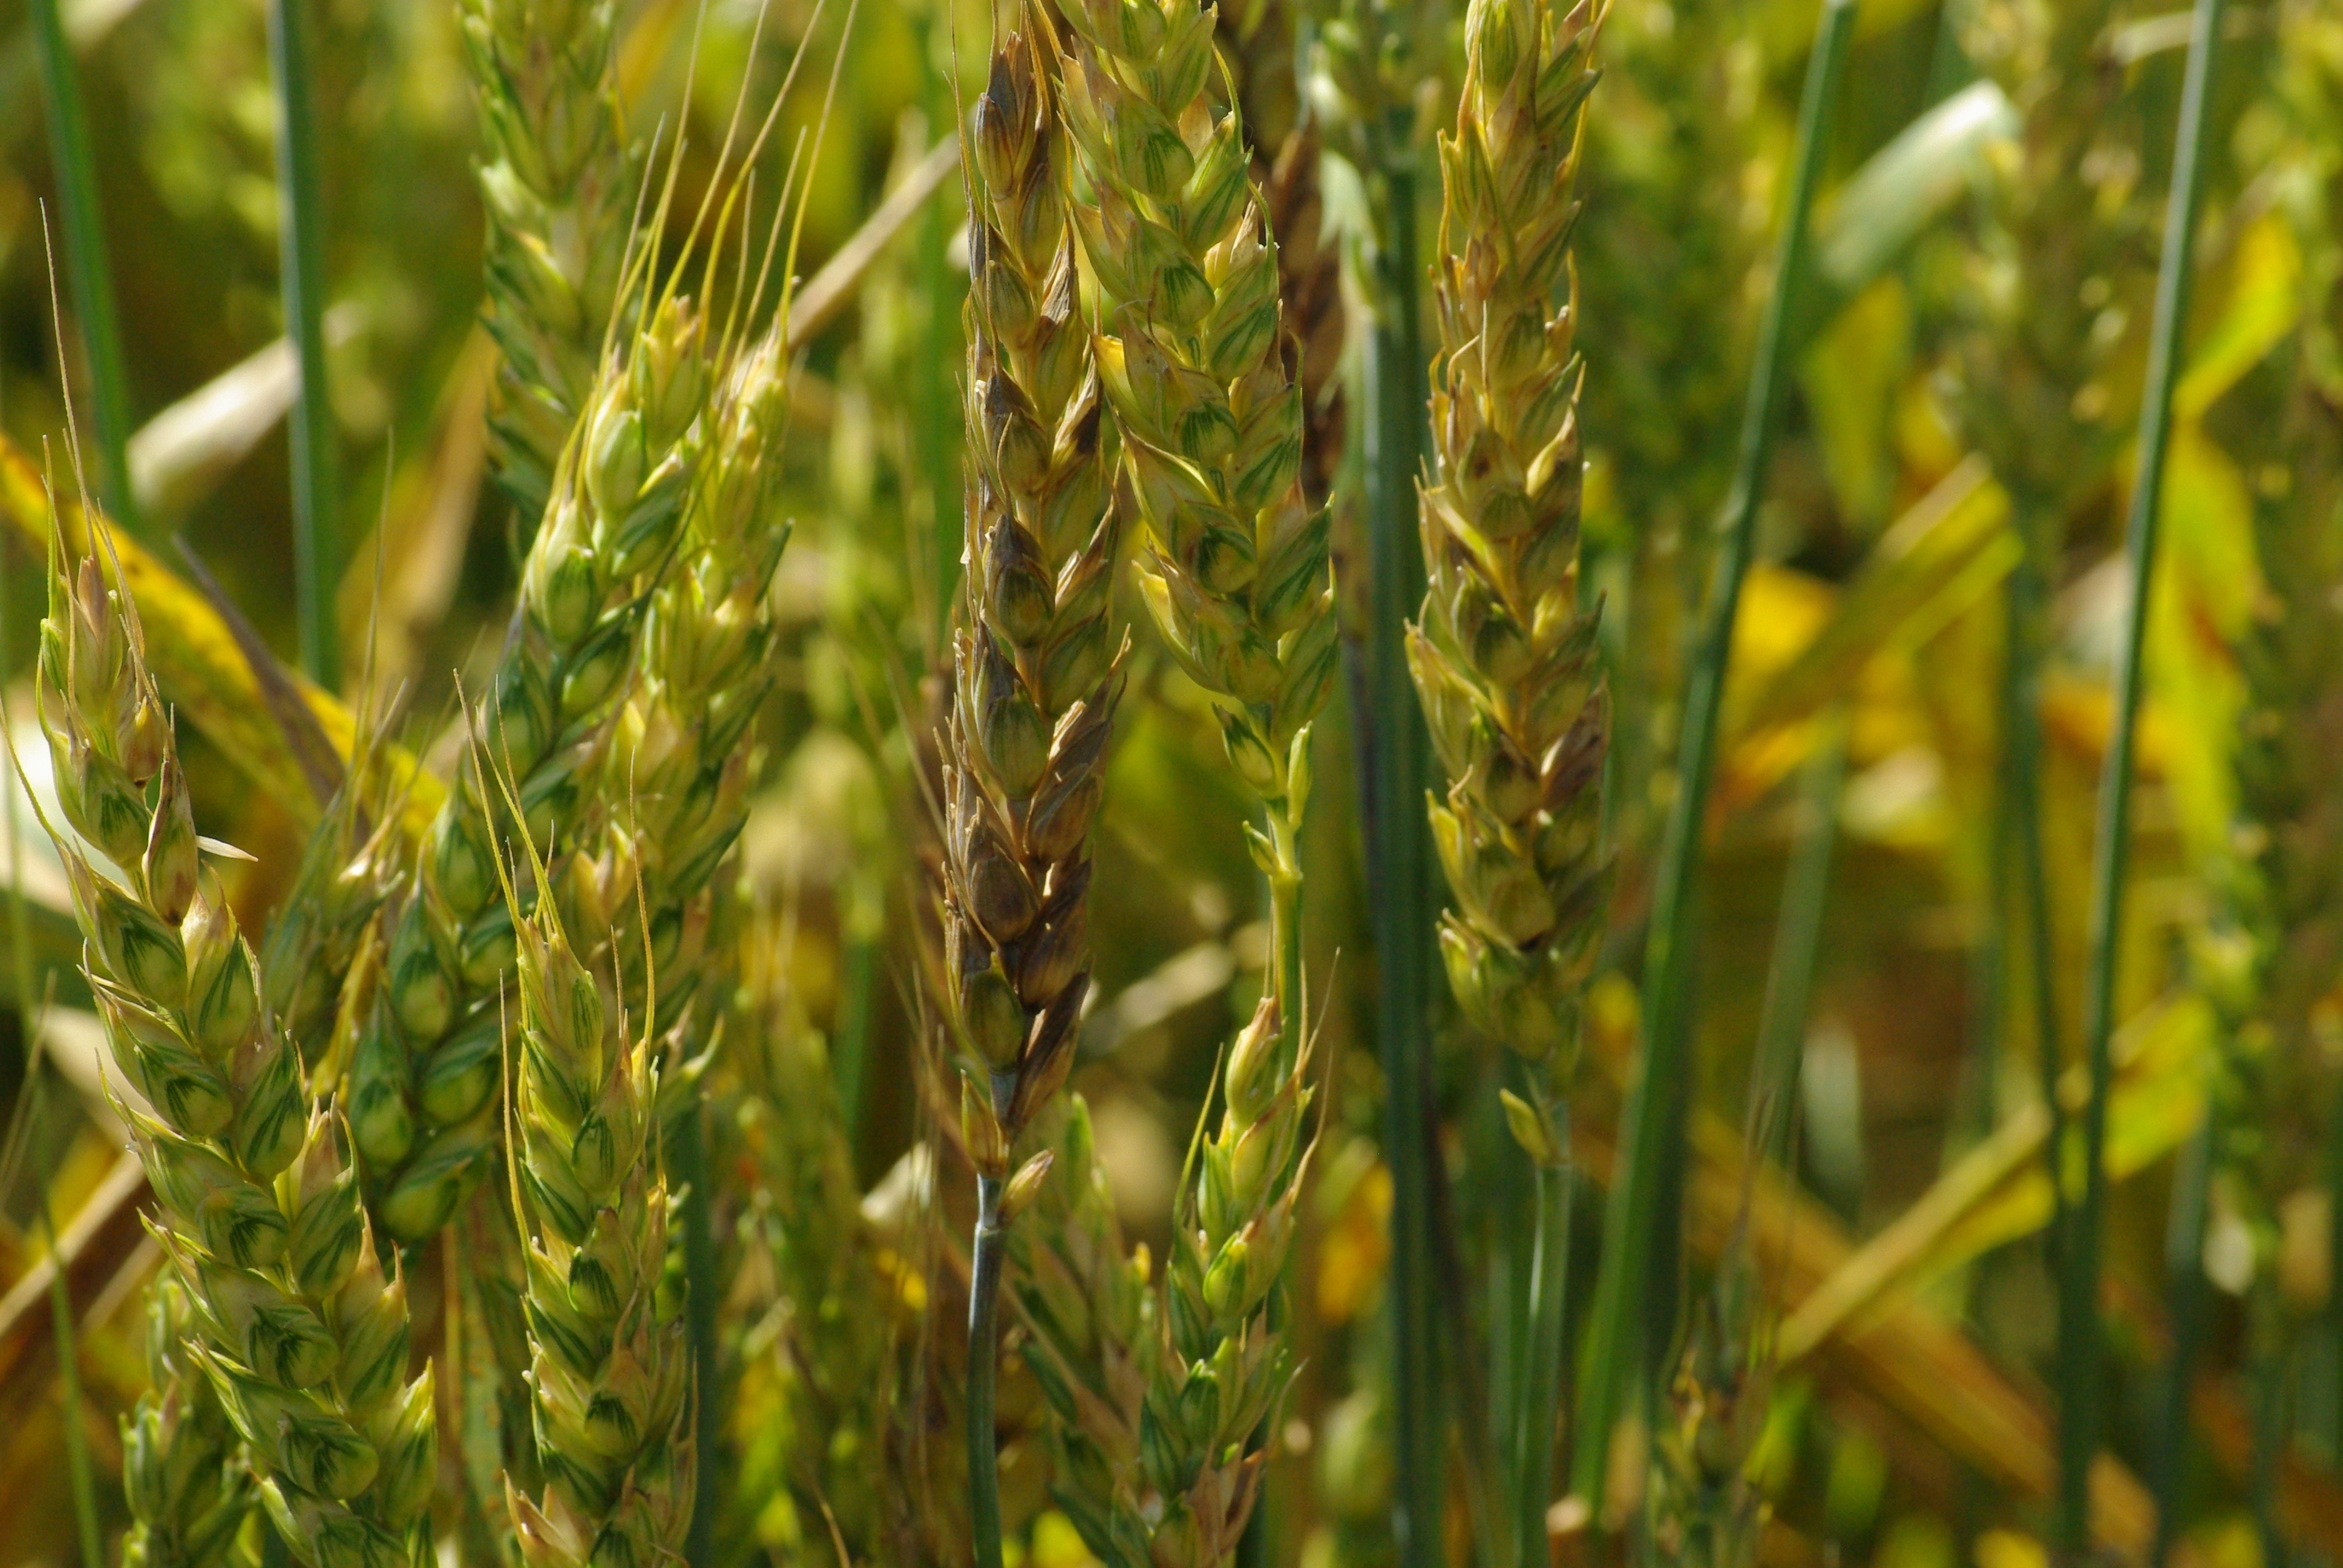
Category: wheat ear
[555,181]
[609,1362]
[1093,1343]
[1037,670]
[675,775]
[302,1336]
[422,1105]
[1191,355]
[1504,657]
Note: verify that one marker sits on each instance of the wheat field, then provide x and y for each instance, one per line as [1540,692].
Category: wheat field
[1043,783]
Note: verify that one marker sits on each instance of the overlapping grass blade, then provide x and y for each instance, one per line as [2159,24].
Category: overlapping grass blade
[1651,1138]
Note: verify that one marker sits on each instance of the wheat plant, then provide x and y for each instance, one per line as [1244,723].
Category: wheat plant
[423,1099]
[1504,657]
[557,181]
[570,1177]
[303,1333]
[1036,669]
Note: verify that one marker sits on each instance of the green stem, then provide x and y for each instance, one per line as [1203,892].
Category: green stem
[1650,1128]
[86,266]
[1293,1028]
[983,1371]
[1405,901]
[316,544]
[1541,1394]
[2184,1275]
[2022,724]
[2078,1326]
[1797,945]
[849,1057]
[2267,1377]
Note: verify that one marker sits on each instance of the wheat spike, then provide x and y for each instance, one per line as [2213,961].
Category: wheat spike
[674,787]
[303,1337]
[557,181]
[840,1281]
[1156,1400]
[1036,665]
[422,1103]
[2062,274]
[1093,1342]
[1190,354]
[1504,657]
[609,1363]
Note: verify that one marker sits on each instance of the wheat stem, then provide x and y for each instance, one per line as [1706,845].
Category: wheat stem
[1400,858]
[1531,1472]
[74,165]
[2078,1323]
[301,253]
[983,1372]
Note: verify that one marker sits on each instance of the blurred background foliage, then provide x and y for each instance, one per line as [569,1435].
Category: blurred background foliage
[1910,1424]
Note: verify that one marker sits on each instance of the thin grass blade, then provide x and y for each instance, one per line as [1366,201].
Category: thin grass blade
[300,195]
[1651,1131]
[2079,1350]
[88,269]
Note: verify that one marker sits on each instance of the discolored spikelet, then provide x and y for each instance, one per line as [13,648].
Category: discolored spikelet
[1037,667]
[1191,357]
[1504,657]
[557,182]
[609,1363]
[422,1103]
[301,1337]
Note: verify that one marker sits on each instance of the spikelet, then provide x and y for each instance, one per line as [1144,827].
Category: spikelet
[301,1335]
[1036,667]
[609,1363]
[311,956]
[1191,357]
[1504,657]
[188,1488]
[425,1080]
[555,181]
